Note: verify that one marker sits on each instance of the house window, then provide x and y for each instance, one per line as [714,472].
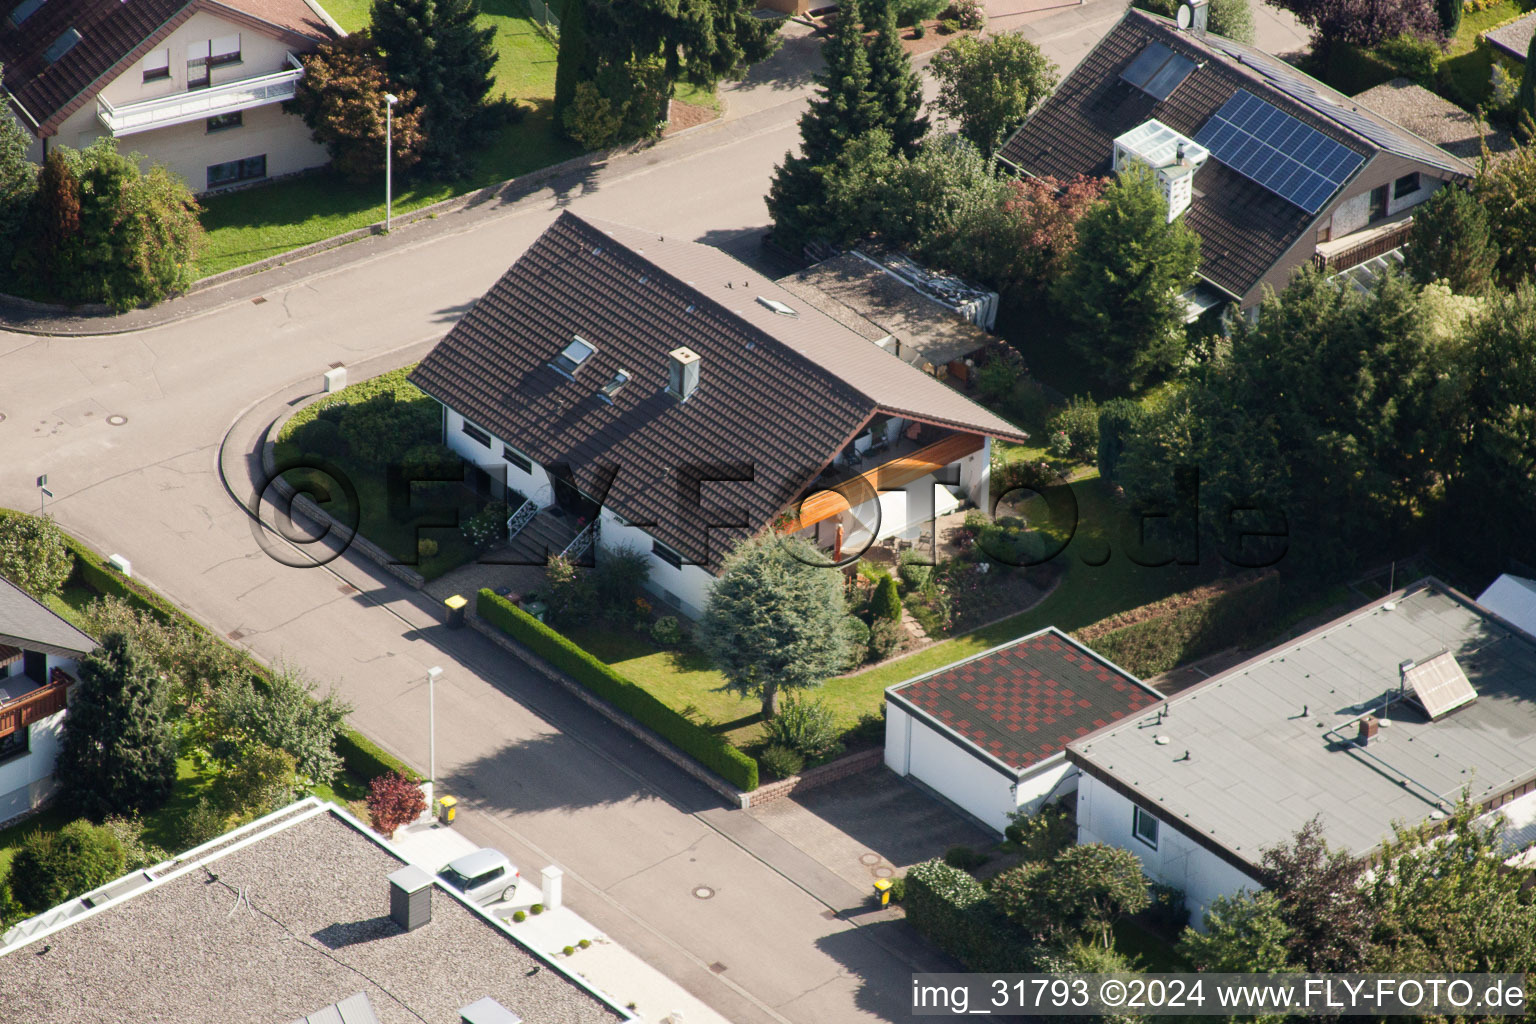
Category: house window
[1145,826]
[1406,185]
[157,66]
[476,434]
[62,45]
[203,56]
[225,121]
[249,169]
[25,10]
[517,458]
[1378,204]
[16,744]
[573,355]
[666,554]
[224,50]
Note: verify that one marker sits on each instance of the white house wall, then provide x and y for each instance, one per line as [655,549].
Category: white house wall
[1105,816]
[684,589]
[913,747]
[534,483]
[27,781]
[189,149]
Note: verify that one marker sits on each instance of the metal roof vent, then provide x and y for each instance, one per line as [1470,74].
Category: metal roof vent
[613,387]
[573,355]
[410,898]
[488,1011]
[682,373]
[781,308]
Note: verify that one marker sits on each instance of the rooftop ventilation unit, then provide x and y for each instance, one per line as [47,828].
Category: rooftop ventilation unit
[682,373]
[1439,685]
[355,1009]
[488,1011]
[573,355]
[410,898]
[781,308]
[613,387]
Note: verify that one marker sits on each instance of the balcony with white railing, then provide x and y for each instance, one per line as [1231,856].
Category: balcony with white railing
[199,104]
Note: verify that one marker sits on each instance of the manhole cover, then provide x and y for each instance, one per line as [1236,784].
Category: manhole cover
[117,419]
[870,859]
[717,967]
[703,892]
[882,872]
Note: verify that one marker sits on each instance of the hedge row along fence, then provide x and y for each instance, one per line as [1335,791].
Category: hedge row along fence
[634,700]
[954,912]
[1237,617]
[359,755]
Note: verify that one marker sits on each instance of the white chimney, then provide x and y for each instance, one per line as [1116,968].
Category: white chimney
[682,373]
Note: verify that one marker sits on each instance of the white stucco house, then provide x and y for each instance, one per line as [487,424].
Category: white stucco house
[1383,716]
[989,733]
[196,85]
[655,394]
[38,652]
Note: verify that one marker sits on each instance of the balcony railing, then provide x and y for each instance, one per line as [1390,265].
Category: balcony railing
[38,704]
[1377,245]
[199,104]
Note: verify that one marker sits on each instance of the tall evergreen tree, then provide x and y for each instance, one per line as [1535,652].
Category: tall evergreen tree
[1453,242]
[1449,12]
[844,109]
[575,63]
[1527,101]
[435,49]
[118,755]
[894,83]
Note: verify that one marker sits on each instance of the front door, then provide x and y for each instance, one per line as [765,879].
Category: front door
[1378,203]
[35,665]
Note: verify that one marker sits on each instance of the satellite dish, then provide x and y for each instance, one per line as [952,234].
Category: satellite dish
[1186,16]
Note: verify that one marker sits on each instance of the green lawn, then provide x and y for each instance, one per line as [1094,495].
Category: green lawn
[257,223]
[1463,75]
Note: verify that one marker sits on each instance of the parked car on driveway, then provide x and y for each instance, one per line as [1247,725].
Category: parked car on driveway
[485,876]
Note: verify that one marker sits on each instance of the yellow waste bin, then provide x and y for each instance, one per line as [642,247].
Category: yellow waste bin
[456,605]
[447,807]
[883,890]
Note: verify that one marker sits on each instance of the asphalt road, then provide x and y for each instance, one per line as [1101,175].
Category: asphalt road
[129,429]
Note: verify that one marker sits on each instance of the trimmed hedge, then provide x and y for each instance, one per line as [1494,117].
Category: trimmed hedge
[635,701]
[364,759]
[953,911]
[394,382]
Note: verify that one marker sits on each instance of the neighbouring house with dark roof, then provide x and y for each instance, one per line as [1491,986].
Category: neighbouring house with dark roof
[1435,119]
[1383,716]
[989,733]
[1270,167]
[196,85]
[303,916]
[641,391]
[38,653]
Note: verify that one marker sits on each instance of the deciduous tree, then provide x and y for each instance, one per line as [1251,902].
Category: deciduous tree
[394,800]
[1505,189]
[988,86]
[341,99]
[34,554]
[18,183]
[1361,23]
[1244,934]
[1526,102]
[1230,18]
[774,619]
[1452,242]
[1322,901]
[118,753]
[1077,896]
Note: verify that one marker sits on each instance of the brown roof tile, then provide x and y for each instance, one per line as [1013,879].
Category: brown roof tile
[779,396]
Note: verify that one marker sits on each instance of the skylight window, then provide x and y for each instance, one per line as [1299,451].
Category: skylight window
[613,387]
[25,10]
[62,45]
[576,353]
[783,309]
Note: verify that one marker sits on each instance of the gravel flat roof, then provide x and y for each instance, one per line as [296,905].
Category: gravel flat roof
[313,928]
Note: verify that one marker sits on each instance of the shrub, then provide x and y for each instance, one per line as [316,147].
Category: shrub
[1167,911]
[870,727]
[279,711]
[341,99]
[33,554]
[915,12]
[858,640]
[919,30]
[884,637]
[537,908]
[694,740]
[361,757]
[569,596]
[205,822]
[781,761]
[1120,419]
[1043,835]
[568,950]
[949,26]
[898,888]
[584,943]
[1078,424]
[519,916]
[1414,57]
[806,725]
[916,572]
[885,604]
[382,428]
[321,437]
[53,867]
[952,909]
[964,858]
[394,800]
[487,527]
[432,461]
[620,574]
[130,835]
[259,781]
[970,14]
[995,381]
[665,632]
[426,547]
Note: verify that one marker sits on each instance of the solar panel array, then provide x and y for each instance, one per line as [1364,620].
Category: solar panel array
[1267,145]
[1439,685]
[1158,71]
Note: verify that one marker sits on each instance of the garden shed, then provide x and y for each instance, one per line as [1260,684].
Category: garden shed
[989,733]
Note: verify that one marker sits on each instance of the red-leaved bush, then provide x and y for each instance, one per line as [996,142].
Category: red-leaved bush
[394,800]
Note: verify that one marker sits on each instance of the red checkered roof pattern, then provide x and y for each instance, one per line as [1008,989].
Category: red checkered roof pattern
[1027,701]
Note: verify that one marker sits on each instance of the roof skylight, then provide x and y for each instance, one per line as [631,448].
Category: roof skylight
[574,354]
[25,10]
[781,308]
[62,45]
[613,387]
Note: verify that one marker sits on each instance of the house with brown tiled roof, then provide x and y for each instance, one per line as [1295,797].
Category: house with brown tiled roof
[196,85]
[38,653]
[632,389]
[989,733]
[1270,167]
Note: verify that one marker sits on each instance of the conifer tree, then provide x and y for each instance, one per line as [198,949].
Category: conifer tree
[894,83]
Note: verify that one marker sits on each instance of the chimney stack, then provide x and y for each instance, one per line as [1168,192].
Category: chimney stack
[682,373]
[1369,727]
[1200,11]
[410,897]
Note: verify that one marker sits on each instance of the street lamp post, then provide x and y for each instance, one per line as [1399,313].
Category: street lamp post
[389,153]
[432,675]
